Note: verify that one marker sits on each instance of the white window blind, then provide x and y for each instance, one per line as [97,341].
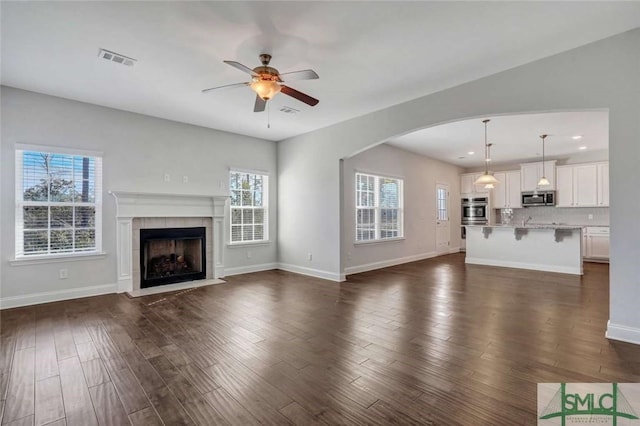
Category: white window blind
[249,207]
[379,211]
[58,203]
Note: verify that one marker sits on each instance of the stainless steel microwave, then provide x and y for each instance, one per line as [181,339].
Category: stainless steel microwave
[538,198]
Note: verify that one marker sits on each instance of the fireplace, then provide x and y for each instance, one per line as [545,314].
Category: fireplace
[171,255]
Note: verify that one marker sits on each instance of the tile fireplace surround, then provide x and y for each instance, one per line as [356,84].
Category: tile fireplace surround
[137,210]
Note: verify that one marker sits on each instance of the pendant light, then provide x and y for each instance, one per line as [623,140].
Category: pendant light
[488,160]
[543,180]
[486,178]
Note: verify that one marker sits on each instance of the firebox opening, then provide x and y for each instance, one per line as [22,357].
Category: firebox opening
[171,255]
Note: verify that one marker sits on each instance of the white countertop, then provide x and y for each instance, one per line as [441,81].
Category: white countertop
[528,226]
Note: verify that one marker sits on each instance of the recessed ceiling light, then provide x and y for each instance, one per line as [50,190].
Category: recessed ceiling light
[470,153]
[582,147]
[576,137]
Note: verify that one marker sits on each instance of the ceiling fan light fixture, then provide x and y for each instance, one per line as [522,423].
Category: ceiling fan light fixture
[489,186]
[266,89]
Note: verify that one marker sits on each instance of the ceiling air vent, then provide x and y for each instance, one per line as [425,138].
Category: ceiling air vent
[289,110]
[116,57]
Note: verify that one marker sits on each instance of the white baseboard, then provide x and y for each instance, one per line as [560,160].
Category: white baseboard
[332,276]
[623,333]
[249,268]
[454,250]
[523,265]
[55,296]
[389,262]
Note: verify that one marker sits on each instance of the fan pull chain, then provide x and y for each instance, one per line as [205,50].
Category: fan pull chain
[268,115]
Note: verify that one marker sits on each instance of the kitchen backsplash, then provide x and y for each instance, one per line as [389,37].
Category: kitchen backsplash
[564,215]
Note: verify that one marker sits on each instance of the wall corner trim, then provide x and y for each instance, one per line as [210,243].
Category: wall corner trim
[55,296]
[623,333]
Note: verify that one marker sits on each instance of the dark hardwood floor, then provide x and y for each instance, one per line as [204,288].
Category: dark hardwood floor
[430,342]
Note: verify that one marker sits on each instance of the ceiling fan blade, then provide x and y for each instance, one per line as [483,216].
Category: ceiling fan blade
[298,95]
[300,75]
[228,86]
[241,67]
[259,105]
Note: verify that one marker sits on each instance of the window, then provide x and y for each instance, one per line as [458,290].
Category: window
[58,202]
[249,207]
[441,201]
[378,207]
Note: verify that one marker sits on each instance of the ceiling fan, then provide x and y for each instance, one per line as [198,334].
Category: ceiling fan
[267,82]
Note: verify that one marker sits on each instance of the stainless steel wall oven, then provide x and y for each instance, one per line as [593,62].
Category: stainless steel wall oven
[475,210]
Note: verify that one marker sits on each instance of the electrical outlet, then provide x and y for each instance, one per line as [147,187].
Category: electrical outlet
[248,255]
[309,256]
[167,177]
[63,274]
[590,217]
[185,179]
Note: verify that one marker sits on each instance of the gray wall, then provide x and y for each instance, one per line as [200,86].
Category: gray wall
[599,75]
[138,151]
[420,176]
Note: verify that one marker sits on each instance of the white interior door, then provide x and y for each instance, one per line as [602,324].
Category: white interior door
[443,232]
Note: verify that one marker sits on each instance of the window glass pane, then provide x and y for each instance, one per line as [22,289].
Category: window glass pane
[35,217]
[235,198]
[246,181]
[247,198]
[258,232]
[257,198]
[61,241]
[61,186]
[84,172]
[247,232]
[258,216]
[35,242]
[388,193]
[61,217]
[236,233]
[236,216]
[35,177]
[85,217]
[234,181]
[247,216]
[85,239]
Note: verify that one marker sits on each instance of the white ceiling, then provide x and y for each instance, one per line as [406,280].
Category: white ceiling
[515,138]
[369,55]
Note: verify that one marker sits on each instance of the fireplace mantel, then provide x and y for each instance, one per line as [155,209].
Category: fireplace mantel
[130,205]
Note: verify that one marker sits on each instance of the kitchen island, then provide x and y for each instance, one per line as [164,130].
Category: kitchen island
[553,248]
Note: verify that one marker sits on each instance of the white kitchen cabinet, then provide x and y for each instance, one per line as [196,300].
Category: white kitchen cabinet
[532,172]
[582,185]
[597,243]
[467,185]
[506,194]
[564,186]
[603,185]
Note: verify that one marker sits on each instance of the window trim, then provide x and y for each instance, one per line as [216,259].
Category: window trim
[377,209]
[19,257]
[265,206]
